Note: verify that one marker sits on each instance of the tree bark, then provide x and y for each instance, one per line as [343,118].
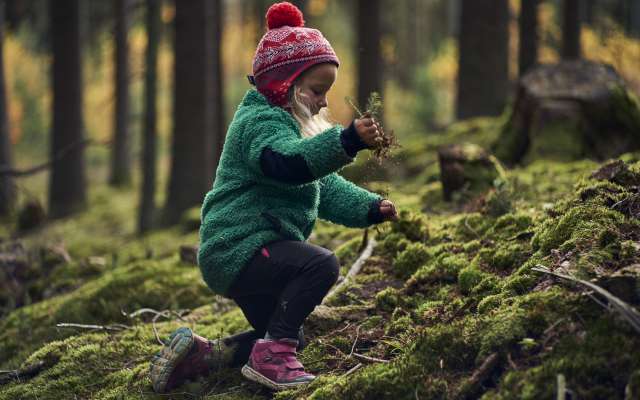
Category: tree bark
[193,132]
[483,75]
[67,183]
[528,29]
[634,18]
[219,123]
[7,184]
[368,54]
[121,153]
[571,44]
[149,174]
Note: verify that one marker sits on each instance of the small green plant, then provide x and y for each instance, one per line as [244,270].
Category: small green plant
[386,140]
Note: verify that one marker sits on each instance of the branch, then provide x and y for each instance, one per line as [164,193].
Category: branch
[24,373]
[625,310]
[362,357]
[114,327]
[7,170]
[355,268]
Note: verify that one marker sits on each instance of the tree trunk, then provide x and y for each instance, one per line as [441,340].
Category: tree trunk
[483,75]
[219,123]
[67,184]
[147,203]
[571,47]
[405,35]
[634,18]
[121,153]
[528,51]
[7,184]
[194,105]
[368,54]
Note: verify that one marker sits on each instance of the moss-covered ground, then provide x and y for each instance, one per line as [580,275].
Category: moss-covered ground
[448,305]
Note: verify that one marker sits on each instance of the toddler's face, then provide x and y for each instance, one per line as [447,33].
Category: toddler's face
[314,84]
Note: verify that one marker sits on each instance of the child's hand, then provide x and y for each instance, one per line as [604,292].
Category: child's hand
[388,210]
[367,129]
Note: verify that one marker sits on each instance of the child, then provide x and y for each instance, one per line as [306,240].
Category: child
[276,175]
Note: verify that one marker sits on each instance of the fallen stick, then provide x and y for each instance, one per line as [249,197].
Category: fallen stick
[355,268]
[625,310]
[352,370]
[115,327]
[362,357]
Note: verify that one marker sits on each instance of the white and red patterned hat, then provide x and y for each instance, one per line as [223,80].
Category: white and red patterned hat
[286,50]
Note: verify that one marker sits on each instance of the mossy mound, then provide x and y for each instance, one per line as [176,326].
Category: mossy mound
[448,306]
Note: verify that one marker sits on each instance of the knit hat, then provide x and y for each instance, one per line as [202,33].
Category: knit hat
[286,50]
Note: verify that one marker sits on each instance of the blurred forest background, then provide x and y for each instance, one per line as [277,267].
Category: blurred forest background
[129,87]
[113,114]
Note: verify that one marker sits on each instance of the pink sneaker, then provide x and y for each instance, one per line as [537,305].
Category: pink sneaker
[185,357]
[273,363]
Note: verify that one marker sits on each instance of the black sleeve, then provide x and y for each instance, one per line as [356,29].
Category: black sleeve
[374,215]
[351,141]
[294,169]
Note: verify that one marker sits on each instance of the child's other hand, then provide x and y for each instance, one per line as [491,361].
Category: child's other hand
[388,210]
[367,129]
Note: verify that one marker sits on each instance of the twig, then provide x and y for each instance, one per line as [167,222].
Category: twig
[355,268]
[157,314]
[562,387]
[466,224]
[353,346]
[114,327]
[511,363]
[28,372]
[625,310]
[362,357]
[352,370]
[6,170]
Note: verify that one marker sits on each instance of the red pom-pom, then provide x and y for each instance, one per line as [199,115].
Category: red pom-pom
[285,13]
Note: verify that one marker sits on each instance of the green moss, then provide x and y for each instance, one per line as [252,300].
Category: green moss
[503,257]
[387,299]
[410,259]
[490,302]
[444,268]
[592,364]
[578,225]
[155,284]
[347,252]
[108,366]
[393,244]
[412,225]
[468,278]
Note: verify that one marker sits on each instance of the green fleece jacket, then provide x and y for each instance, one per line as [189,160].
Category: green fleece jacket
[246,209]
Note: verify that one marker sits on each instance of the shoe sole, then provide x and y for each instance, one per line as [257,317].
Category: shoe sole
[255,376]
[165,361]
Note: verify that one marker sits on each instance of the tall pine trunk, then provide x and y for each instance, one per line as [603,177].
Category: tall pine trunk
[528,28]
[121,153]
[483,68]
[149,140]
[219,124]
[369,57]
[7,184]
[193,131]
[571,44]
[67,183]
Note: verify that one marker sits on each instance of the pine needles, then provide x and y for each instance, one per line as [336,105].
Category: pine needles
[385,141]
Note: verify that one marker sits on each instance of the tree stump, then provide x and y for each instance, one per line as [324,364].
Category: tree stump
[465,167]
[31,216]
[568,111]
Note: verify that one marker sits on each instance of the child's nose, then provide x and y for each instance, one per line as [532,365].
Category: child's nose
[323,102]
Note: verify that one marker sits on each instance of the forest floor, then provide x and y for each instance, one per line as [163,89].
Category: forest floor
[452,303]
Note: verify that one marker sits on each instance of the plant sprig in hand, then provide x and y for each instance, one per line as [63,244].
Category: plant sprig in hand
[385,141]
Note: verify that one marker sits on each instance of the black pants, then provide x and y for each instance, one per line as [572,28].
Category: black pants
[281,285]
